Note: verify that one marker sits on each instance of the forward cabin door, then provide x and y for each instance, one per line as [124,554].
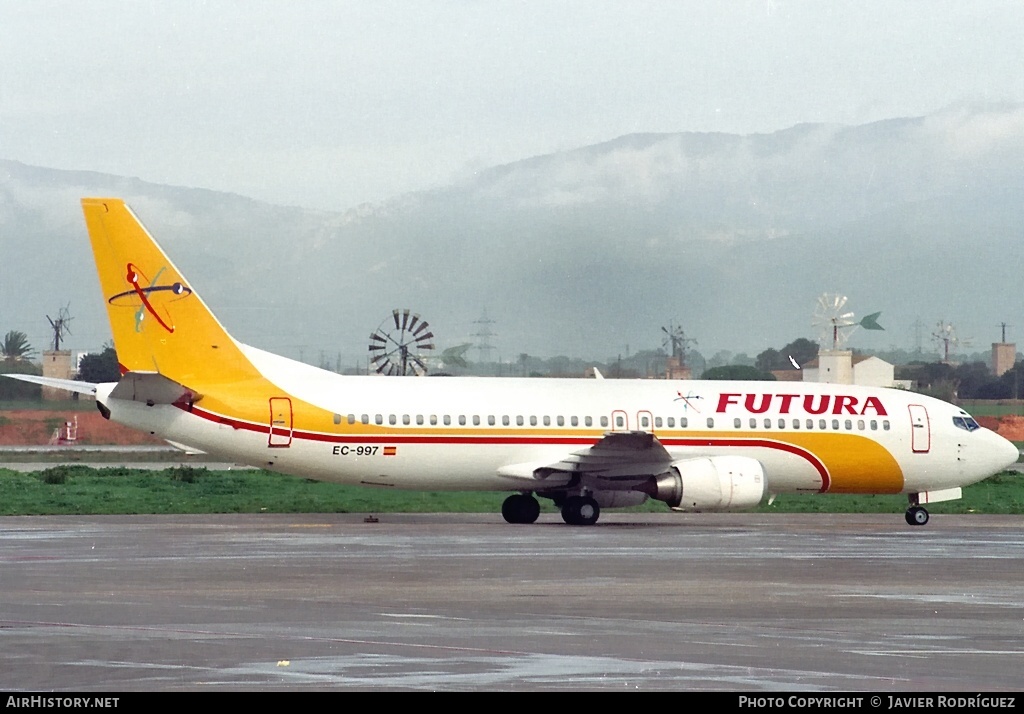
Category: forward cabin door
[280,423]
[920,429]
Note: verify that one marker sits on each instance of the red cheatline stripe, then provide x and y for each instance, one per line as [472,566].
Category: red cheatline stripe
[524,439]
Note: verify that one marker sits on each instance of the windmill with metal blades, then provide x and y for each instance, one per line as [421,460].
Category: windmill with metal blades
[946,339]
[836,324]
[675,343]
[61,326]
[402,349]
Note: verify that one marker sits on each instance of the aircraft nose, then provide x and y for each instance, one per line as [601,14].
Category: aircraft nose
[1008,452]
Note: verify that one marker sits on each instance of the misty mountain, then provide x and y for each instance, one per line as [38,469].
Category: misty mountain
[582,252]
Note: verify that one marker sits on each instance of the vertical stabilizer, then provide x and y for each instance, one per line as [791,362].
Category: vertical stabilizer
[158,321]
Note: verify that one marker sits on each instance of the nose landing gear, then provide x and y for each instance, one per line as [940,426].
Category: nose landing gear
[917,516]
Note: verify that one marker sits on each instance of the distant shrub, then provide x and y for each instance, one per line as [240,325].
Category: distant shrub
[56,474]
[186,474]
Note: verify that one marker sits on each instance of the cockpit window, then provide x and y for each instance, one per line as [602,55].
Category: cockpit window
[966,423]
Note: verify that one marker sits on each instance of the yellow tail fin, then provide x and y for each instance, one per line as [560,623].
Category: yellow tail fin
[158,322]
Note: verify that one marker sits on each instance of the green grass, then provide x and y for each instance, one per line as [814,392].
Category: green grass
[81,490]
[992,407]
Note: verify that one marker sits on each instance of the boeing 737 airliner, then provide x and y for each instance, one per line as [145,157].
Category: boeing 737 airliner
[585,444]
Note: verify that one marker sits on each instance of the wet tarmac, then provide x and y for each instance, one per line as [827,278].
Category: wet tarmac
[466,602]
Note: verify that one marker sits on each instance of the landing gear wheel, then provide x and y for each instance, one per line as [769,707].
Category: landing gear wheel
[520,508]
[580,511]
[917,516]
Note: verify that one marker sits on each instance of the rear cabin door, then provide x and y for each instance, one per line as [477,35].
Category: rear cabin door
[280,423]
[920,429]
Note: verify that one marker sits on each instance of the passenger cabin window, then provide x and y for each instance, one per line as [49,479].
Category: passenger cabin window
[711,422]
[604,422]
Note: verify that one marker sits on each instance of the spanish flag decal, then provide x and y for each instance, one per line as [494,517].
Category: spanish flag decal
[390,450]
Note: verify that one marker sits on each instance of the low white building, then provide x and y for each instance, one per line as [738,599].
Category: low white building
[843,367]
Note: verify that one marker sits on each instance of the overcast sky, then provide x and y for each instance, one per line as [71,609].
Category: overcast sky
[331,104]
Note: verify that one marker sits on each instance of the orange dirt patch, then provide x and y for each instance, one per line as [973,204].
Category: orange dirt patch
[35,428]
[1009,426]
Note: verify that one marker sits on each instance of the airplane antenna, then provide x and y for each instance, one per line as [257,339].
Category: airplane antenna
[61,326]
[401,345]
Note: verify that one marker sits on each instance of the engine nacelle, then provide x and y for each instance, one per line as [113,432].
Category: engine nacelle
[717,483]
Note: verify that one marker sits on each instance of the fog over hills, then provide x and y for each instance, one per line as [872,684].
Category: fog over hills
[582,252]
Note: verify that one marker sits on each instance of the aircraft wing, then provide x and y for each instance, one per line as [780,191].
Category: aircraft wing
[618,456]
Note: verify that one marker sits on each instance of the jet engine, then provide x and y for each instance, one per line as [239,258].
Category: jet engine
[717,483]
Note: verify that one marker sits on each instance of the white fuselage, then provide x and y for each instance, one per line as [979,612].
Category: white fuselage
[459,433]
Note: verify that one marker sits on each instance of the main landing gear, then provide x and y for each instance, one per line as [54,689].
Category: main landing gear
[576,510]
[917,516]
[520,508]
[580,511]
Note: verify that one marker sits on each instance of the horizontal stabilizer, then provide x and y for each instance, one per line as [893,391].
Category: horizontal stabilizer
[70,385]
[152,388]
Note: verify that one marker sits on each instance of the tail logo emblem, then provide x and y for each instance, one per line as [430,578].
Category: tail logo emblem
[153,297]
